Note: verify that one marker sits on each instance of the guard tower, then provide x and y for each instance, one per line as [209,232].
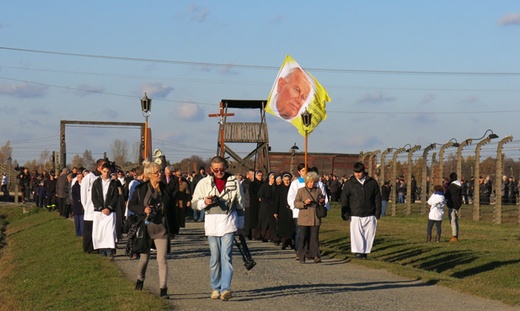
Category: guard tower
[243,132]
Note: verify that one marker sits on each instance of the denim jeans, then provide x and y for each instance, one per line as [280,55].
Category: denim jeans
[198,215]
[384,204]
[220,262]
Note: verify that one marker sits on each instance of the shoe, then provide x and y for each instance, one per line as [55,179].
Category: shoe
[317,260]
[454,239]
[139,285]
[164,293]
[302,259]
[284,247]
[360,256]
[428,238]
[437,238]
[215,294]
[226,295]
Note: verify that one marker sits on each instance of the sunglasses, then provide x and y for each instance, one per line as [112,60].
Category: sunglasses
[218,170]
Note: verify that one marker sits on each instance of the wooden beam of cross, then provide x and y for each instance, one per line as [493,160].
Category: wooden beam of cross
[221,115]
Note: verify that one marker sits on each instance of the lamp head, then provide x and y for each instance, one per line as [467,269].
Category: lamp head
[146,104]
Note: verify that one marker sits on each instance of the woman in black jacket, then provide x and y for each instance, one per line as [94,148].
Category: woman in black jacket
[285,228]
[149,202]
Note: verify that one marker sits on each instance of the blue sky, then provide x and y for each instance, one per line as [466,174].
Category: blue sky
[398,72]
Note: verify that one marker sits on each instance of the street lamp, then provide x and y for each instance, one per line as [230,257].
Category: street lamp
[370,161]
[409,178]
[424,186]
[476,192]
[451,143]
[394,173]
[459,156]
[294,148]
[306,120]
[146,108]
[382,166]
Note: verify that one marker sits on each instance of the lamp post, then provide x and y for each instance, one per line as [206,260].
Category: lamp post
[9,169]
[146,108]
[459,156]
[476,191]
[424,192]
[394,173]
[382,166]
[370,161]
[452,142]
[306,120]
[409,179]
[497,217]
[293,151]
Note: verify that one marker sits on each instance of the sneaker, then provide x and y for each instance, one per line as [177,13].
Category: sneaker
[226,295]
[215,294]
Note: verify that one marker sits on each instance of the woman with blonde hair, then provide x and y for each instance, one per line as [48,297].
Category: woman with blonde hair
[307,200]
[148,203]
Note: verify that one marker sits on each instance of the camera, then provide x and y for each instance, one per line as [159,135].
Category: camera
[156,209]
[215,201]
[321,199]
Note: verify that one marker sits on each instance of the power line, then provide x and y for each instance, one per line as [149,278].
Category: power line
[262,67]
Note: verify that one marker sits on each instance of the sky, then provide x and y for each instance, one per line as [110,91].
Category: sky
[399,73]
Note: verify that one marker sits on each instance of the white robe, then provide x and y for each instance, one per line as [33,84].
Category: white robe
[104,231]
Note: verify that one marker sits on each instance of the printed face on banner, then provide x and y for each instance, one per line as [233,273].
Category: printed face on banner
[293,92]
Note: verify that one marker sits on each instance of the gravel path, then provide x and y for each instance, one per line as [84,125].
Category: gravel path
[279,282]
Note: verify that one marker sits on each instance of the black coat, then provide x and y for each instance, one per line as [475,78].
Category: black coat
[99,201]
[137,204]
[286,227]
[361,200]
[453,195]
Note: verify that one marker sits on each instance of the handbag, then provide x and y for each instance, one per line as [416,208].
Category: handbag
[140,241]
[321,211]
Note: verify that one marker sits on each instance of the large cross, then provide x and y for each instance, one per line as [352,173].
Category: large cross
[221,115]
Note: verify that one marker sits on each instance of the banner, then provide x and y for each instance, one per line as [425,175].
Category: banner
[295,90]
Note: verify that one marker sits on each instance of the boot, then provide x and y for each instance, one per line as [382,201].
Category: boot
[437,238]
[164,293]
[454,239]
[428,238]
[139,285]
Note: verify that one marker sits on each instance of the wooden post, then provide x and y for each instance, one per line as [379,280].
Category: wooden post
[221,115]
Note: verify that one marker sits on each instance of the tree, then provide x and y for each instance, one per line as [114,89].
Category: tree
[119,149]
[6,152]
[88,160]
[45,162]
[77,161]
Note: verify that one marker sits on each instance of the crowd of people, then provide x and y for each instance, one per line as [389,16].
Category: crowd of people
[151,204]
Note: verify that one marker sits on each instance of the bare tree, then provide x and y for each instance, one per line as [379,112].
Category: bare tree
[119,149]
[88,160]
[6,152]
[45,161]
[77,161]
[136,151]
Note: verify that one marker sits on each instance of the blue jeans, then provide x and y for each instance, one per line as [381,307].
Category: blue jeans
[198,215]
[220,262]
[384,204]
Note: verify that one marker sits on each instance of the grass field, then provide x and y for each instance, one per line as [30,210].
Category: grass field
[44,268]
[485,262]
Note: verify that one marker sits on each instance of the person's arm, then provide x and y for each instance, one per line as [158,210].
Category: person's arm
[345,202]
[197,199]
[299,200]
[291,195]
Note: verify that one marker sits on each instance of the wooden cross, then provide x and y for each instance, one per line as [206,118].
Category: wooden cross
[221,115]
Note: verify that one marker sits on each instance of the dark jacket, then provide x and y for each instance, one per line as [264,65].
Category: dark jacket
[137,204]
[361,200]
[110,201]
[454,195]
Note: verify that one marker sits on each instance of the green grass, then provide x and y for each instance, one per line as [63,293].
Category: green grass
[485,262]
[44,268]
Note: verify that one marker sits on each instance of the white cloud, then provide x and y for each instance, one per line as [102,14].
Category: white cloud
[375,99]
[189,112]
[428,98]
[23,90]
[157,90]
[509,19]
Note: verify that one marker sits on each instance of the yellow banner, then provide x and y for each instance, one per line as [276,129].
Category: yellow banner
[295,90]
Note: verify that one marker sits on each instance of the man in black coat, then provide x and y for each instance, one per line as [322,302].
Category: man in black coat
[453,197]
[361,203]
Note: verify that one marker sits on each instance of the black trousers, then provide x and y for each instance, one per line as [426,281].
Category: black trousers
[88,247]
[309,242]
